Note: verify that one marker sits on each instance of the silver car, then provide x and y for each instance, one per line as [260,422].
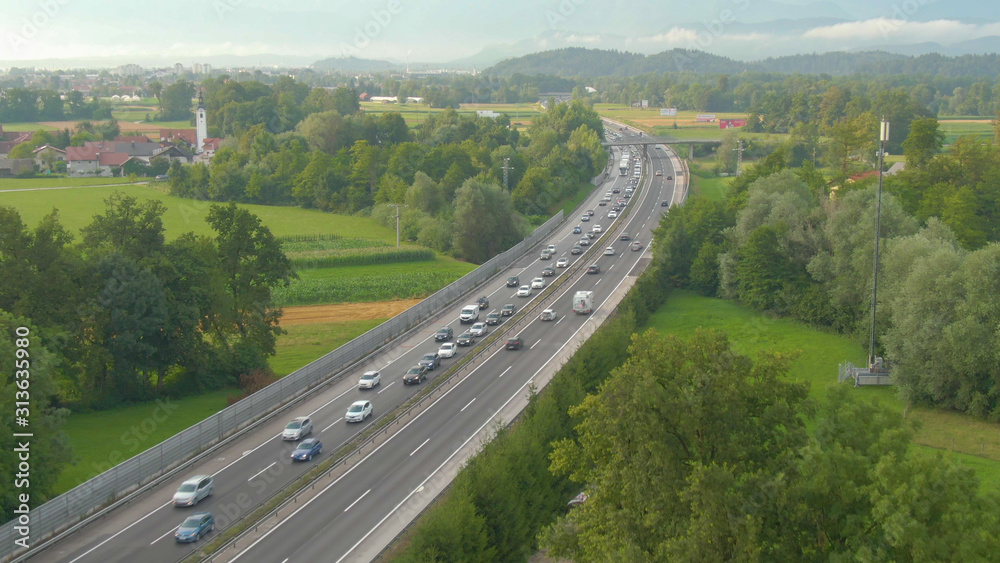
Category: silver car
[193,490]
[370,380]
[298,428]
[478,329]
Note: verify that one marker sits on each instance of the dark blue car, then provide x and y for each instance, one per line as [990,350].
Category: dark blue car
[307,449]
[194,527]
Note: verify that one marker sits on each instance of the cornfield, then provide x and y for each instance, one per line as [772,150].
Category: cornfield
[358,257]
[339,243]
[362,288]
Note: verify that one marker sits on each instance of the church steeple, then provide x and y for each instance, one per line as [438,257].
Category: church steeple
[201,124]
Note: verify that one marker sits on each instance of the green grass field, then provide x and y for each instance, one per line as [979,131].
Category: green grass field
[78,207]
[308,342]
[953,130]
[415,114]
[56,182]
[102,439]
[958,436]
[383,282]
[707,185]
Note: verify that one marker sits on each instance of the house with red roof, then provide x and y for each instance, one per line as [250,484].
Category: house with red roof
[104,158]
[84,161]
[188,136]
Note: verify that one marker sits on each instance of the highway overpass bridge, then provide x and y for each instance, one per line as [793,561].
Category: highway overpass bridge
[646,140]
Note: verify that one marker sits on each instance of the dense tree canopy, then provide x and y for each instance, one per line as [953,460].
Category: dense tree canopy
[691,452]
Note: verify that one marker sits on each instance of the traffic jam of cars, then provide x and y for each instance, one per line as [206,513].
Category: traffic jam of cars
[447,344]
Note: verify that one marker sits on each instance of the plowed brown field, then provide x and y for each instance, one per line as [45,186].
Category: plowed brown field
[345,312]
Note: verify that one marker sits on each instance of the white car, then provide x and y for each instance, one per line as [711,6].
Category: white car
[478,329]
[524,291]
[562,262]
[596,229]
[585,218]
[609,251]
[547,315]
[370,379]
[298,428]
[612,214]
[538,283]
[358,411]
[551,248]
[447,350]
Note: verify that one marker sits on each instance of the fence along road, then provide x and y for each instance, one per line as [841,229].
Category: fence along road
[123,483]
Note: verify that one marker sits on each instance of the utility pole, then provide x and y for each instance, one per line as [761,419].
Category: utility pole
[397,206]
[506,169]
[883,137]
[739,155]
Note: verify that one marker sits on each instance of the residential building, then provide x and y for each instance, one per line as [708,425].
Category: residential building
[45,155]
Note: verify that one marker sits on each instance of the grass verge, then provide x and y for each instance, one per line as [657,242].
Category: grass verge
[305,343]
[705,184]
[102,439]
[967,440]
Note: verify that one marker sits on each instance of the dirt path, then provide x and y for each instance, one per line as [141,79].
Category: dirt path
[345,312]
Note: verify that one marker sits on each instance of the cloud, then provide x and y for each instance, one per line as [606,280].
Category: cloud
[676,36]
[752,37]
[574,38]
[883,28]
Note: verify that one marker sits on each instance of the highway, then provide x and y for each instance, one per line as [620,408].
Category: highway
[350,517]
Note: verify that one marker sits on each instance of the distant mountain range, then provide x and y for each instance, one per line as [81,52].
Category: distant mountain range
[575,62]
[354,64]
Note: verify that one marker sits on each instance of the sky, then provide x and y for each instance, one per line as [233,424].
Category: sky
[442,31]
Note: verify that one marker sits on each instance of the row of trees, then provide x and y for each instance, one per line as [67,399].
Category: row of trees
[360,162]
[28,104]
[782,243]
[136,316]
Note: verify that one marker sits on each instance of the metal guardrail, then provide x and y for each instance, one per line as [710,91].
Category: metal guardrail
[110,489]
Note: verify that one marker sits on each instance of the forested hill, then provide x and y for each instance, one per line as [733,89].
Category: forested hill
[579,62]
